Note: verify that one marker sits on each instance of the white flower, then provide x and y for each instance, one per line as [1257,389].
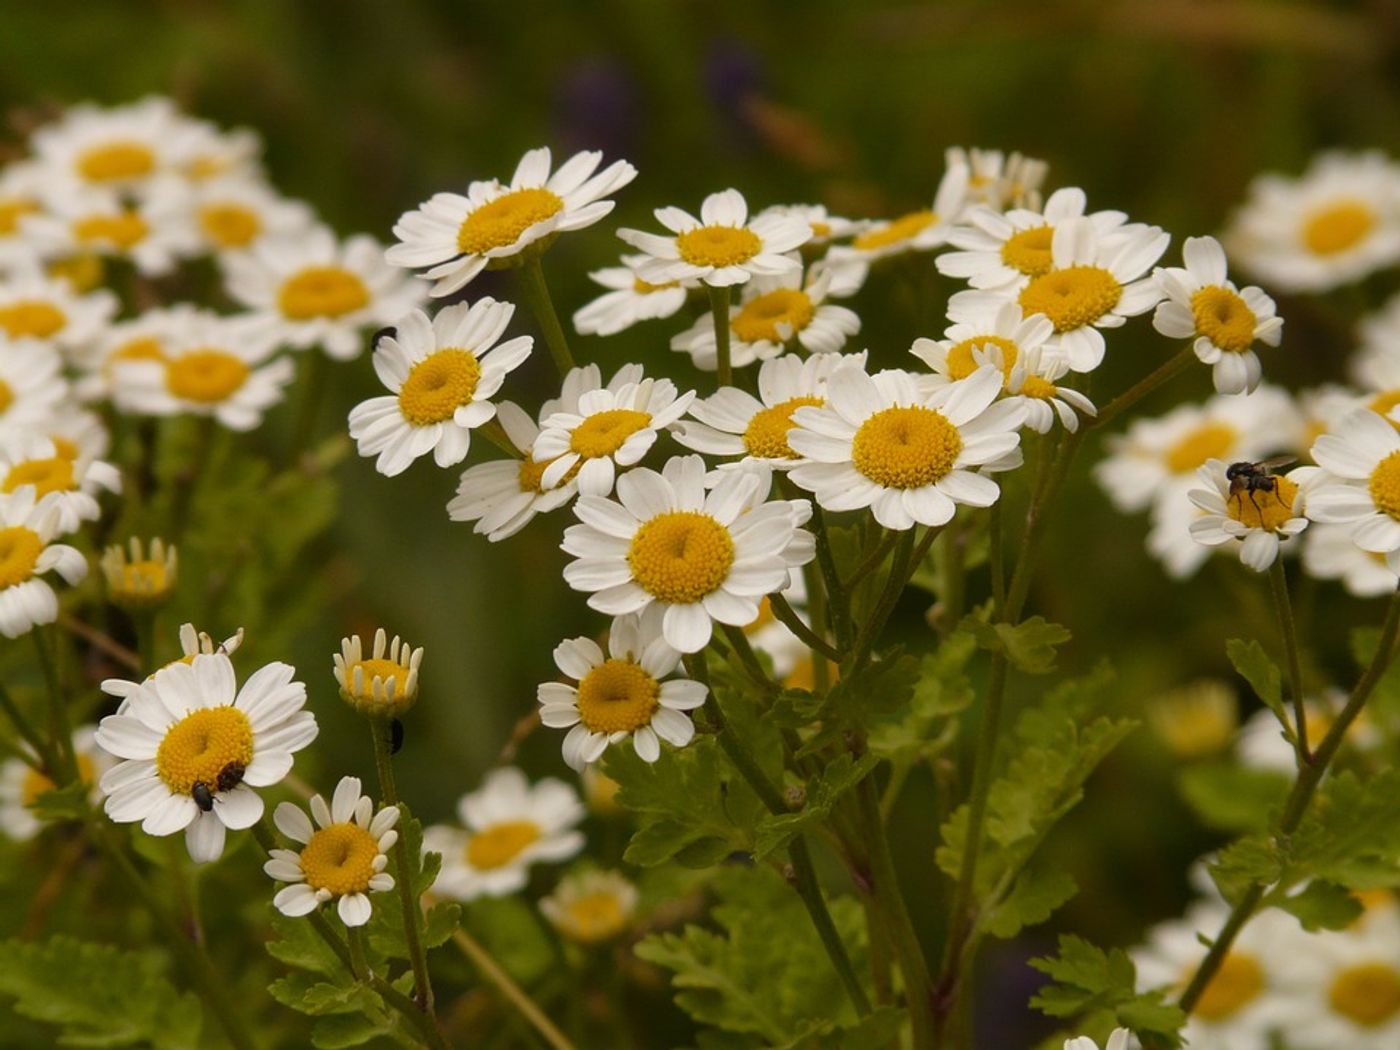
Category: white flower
[1170,541]
[629,300]
[192,643]
[1329,554]
[1033,382]
[208,152]
[732,422]
[210,365]
[1224,321]
[383,684]
[71,481]
[508,824]
[20,197]
[999,180]
[38,308]
[21,785]
[916,231]
[31,386]
[502,496]
[315,290]
[233,213]
[591,906]
[722,247]
[195,746]
[773,313]
[458,237]
[992,324]
[342,856]
[1361,487]
[1320,409]
[443,372]
[1117,1040]
[1259,519]
[909,455]
[1375,364]
[1333,225]
[152,231]
[121,147]
[609,428]
[27,551]
[145,337]
[825,226]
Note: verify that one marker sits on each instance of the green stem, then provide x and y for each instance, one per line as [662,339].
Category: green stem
[535,291]
[1278,581]
[355,940]
[1143,387]
[59,729]
[837,606]
[517,996]
[906,561]
[719,313]
[28,733]
[873,562]
[313,388]
[786,615]
[382,732]
[748,659]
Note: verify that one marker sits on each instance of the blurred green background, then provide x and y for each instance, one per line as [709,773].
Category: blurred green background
[1163,108]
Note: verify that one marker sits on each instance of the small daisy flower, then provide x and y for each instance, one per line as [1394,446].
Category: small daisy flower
[342,856]
[625,693]
[702,557]
[1224,321]
[233,214]
[146,337]
[773,313]
[732,422]
[992,324]
[27,551]
[825,226]
[32,387]
[35,307]
[1320,409]
[1033,381]
[315,290]
[208,152]
[119,147]
[152,231]
[21,785]
[1329,554]
[1196,720]
[1333,225]
[383,684]
[72,482]
[194,746]
[443,371]
[494,226]
[141,578]
[610,428]
[629,299]
[20,196]
[1261,520]
[1095,281]
[1119,1039]
[212,366]
[1380,338]
[1169,539]
[1361,486]
[722,247]
[508,824]
[910,456]
[999,180]
[916,231]
[591,907]
[504,495]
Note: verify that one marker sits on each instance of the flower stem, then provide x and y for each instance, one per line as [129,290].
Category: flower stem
[28,733]
[313,387]
[1278,580]
[786,615]
[1135,393]
[355,940]
[517,996]
[60,732]
[382,732]
[535,291]
[719,311]
[837,605]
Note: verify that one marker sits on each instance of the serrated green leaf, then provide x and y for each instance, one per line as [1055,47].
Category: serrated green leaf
[1029,646]
[925,725]
[339,1031]
[1244,862]
[297,944]
[774,832]
[1087,979]
[1230,797]
[440,922]
[1034,896]
[1262,674]
[63,804]
[1320,905]
[385,931]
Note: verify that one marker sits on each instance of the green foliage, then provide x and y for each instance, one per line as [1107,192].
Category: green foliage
[924,726]
[385,929]
[774,832]
[1255,667]
[1029,646]
[1086,978]
[878,690]
[1032,899]
[1321,906]
[63,804]
[99,996]
[509,928]
[1233,798]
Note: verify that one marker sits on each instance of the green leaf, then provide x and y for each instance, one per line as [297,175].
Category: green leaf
[304,992]
[1086,978]
[775,832]
[63,804]
[1351,834]
[1244,862]
[925,725]
[879,689]
[344,1030]
[99,996]
[1262,674]
[298,945]
[385,931]
[1234,798]
[1320,905]
[440,923]
[1029,645]
[1034,897]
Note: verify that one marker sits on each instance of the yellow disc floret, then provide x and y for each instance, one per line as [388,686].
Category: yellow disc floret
[617,696]
[205,376]
[52,474]
[499,223]
[1367,995]
[202,745]
[961,362]
[603,433]
[1238,982]
[322,291]
[1385,485]
[761,317]
[766,435]
[126,229]
[1028,252]
[19,551]
[340,859]
[12,209]
[1223,318]
[1208,441]
[681,556]
[718,246]
[115,161]
[1264,508]
[438,385]
[906,448]
[595,917]
[498,845]
[7,395]
[33,318]
[1338,227]
[896,231]
[1039,388]
[1072,297]
[229,225]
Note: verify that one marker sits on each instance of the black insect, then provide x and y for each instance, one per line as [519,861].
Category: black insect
[1254,477]
[230,776]
[203,797]
[395,736]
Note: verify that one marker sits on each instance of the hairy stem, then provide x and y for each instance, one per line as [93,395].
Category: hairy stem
[1278,583]
[535,291]
[719,312]
[786,615]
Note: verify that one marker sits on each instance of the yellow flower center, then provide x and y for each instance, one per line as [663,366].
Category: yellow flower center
[206,167]
[139,580]
[603,433]
[116,160]
[1367,995]
[206,376]
[1208,441]
[1038,388]
[46,475]
[531,475]
[64,447]
[7,396]
[962,363]
[681,556]
[642,287]
[1239,981]
[83,272]
[820,229]
[1264,509]
[896,231]
[19,551]
[1072,297]
[766,435]
[718,245]
[36,784]
[498,845]
[382,669]
[502,221]
[340,859]
[147,348]
[229,225]
[201,745]
[322,291]
[758,321]
[31,317]
[124,230]
[11,210]
[1029,251]
[1338,227]
[438,385]
[1381,404]
[595,917]
[1223,318]
[1385,485]
[906,448]
[617,696]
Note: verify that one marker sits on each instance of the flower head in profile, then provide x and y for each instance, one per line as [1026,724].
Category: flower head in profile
[629,299]
[916,231]
[508,824]
[1361,483]
[342,856]
[498,225]
[591,907]
[1257,510]
[722,247]
[140,576]
[382,684]
[23,783]
[32,387]
[194,746]
[443,372]
[116,147]
[28,526]
[71,482]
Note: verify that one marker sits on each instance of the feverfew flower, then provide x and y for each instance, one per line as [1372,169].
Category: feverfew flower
[910,456]
[145,337]
[591,907]
[342,856]
[21,785]
[1259,519]
[151,231]
[315,290]
[194,746]
[1033,381]
[234,213]
[1361,486]
[1223,321]
[629,299]
[383,684]
[508,824]
[722,247]
[27,551]
[35,307]
[825,226]
[118,147]
[70,482]
[1329,554]
[443,371]
[139,577]
[703,557]
[999,180]
[916,231]
[20,197]
[978,329]
[495,226]
[503,495]
[31,386]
